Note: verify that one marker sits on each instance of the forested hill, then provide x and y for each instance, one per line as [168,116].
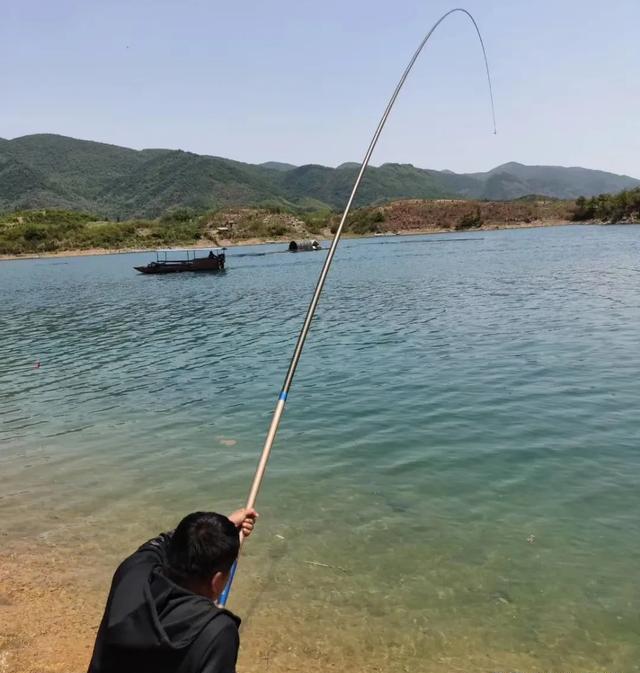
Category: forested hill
[52,171]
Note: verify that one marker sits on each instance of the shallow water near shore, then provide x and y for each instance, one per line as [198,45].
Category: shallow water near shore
[455,483]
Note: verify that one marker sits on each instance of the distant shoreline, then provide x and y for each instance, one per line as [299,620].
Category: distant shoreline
[91,252]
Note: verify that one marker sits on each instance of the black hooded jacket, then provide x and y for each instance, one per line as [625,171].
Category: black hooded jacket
[152,625]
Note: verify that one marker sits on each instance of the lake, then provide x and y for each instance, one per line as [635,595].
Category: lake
[455,482]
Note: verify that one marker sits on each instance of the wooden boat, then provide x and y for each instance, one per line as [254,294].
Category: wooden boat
[213,261]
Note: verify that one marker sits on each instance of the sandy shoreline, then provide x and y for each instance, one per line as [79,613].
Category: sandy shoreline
[52,599]
[204,245]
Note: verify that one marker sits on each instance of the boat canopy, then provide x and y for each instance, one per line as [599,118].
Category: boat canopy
[204,249]
[187,253]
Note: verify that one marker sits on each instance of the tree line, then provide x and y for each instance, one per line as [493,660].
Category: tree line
[623,206]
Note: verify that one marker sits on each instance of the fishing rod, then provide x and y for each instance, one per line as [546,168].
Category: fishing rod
[282,398]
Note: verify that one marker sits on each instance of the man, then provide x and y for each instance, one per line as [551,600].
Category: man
[161,615]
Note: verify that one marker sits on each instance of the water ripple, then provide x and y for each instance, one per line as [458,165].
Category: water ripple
[451,401]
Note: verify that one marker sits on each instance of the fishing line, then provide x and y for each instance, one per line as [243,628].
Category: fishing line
[282,398]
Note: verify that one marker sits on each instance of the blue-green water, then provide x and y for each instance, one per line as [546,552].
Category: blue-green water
[461,444]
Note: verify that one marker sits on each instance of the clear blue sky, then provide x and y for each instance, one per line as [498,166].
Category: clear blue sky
[305,82]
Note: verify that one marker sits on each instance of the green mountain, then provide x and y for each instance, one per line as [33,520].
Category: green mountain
[278,165]
[51,171]
[513,180]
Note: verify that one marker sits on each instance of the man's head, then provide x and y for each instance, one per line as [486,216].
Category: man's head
[201,552]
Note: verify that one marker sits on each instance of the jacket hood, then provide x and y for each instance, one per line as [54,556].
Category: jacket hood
[158,613]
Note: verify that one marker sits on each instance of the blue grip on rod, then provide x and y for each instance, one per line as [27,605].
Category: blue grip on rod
[224,596]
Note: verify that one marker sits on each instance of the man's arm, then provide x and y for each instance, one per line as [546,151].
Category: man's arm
[223,653]
[216,648]
[155,549]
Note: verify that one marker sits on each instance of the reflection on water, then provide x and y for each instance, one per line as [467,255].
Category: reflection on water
[460,446]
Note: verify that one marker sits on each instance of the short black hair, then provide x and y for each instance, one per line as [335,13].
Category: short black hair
[203,544]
